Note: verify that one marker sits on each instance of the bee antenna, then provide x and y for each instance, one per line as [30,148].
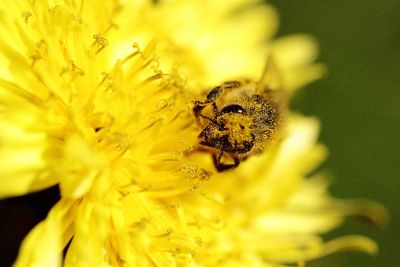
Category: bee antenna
[265,70]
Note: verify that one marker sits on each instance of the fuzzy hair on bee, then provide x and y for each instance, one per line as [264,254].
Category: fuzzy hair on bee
[239,119]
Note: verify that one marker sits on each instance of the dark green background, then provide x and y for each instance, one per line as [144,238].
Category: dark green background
[358,103]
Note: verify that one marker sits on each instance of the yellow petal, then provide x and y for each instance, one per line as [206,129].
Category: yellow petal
[293,55]
[44,244]
[21,162]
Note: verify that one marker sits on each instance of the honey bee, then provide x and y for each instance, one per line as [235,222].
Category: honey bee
[239,118]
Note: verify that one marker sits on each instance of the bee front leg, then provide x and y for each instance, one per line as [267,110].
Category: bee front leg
[210,98]
[198,107]
[215,108]
[213,95]
[221,166]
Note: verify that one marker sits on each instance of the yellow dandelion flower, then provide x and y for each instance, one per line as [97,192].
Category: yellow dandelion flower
[96,97]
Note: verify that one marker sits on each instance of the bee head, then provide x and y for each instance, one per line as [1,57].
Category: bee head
[231,131]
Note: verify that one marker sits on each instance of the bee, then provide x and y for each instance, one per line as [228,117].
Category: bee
[239,118]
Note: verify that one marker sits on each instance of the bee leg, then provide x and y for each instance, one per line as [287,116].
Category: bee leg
[223,167]
[198,107]
[213,95]
[215,108]
[231,84]
[210,120]
[217,91]
[210,98]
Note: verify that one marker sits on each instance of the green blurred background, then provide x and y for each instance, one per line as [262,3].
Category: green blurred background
[358,104]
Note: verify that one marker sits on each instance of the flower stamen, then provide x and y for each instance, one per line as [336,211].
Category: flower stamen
[26,15]
[100,41]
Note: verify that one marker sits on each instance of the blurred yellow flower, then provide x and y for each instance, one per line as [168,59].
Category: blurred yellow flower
[95,97]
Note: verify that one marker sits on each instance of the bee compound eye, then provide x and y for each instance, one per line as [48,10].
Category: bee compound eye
[234,108]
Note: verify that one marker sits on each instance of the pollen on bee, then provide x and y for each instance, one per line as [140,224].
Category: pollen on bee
[239,119]
[238,128]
